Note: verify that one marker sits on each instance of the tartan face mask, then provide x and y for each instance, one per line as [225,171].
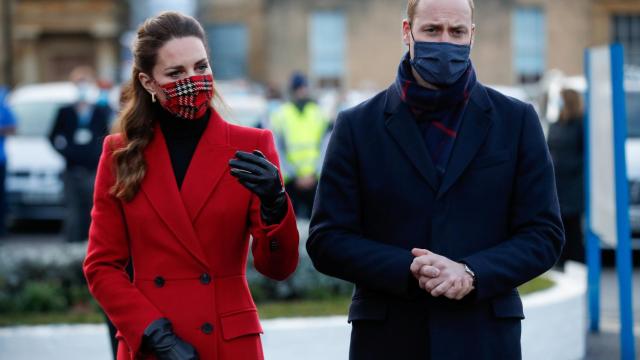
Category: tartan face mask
[188,98]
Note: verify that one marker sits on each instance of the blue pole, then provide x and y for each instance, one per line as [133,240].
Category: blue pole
[623,252]
[593,242]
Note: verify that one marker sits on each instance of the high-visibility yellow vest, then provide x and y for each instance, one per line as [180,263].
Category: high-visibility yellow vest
[302,134]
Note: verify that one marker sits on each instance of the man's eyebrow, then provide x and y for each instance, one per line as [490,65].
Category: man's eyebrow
[459,27]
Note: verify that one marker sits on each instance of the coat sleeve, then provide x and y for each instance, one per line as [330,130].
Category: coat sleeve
[336,244]
[56,130]
[107,256]
[274,247]
[537,232]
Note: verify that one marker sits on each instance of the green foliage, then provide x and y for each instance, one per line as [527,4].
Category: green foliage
[537,284]
[39,296]
[338,305]
[32,287]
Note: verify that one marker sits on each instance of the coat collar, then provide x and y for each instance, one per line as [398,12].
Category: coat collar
[404,130]
[476,122]
[180,209]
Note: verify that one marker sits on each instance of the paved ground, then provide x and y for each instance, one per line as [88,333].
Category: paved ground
[291,339]
[606,344]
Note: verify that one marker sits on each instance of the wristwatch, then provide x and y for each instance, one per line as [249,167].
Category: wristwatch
[470,272]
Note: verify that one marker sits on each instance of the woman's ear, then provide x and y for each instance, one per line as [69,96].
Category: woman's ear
[147,82]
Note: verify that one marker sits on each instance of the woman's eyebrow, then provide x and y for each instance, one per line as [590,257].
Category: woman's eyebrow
[174,67]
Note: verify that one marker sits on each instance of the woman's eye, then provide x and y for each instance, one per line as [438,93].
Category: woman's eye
[203,67]
[174,74]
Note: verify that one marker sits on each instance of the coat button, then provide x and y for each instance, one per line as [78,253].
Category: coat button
[205,279]
[207,328]
[274,245]
[159,280]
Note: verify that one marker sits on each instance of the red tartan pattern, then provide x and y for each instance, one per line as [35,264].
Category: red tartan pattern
[189,98]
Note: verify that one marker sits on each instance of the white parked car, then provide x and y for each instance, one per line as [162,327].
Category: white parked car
[34,169]
[241,103]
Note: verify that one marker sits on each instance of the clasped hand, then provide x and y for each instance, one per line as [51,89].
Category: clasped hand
[440,276]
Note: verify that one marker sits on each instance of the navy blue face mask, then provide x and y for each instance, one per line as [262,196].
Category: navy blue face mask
[440,63]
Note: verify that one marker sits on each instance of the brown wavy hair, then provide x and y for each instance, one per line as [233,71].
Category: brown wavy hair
[135,122]
[572,110]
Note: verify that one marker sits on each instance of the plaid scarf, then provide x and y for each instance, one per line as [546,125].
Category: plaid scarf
[438,112]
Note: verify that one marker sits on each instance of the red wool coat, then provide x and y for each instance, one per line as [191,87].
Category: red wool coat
[188,247]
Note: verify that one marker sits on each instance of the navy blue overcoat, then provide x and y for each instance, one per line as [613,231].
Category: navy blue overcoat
[495,209]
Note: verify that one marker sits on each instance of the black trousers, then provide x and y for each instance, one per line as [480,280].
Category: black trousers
[78,190]
[574,243]
[302,200]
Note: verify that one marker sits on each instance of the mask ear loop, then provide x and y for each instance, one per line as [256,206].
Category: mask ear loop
[411,31]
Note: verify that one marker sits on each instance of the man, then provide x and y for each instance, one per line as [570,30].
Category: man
[77,135]
[299,127]
[7,128]
[437,199]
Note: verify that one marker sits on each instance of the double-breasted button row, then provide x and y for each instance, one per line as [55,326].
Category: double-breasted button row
[205,279]
[206,328]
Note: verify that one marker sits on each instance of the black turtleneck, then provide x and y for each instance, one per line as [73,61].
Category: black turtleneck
[182,137]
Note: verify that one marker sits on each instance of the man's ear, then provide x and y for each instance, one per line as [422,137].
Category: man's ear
[406,32]
[147,82]
[473,34]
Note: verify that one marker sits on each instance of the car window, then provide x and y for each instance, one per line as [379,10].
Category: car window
[633,114]
[35,118]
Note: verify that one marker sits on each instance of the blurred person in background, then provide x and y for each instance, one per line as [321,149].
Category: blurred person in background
[437,200]
[299,127]
[7,127]
[566,144]
[178,193]
[77,134]
[274,103]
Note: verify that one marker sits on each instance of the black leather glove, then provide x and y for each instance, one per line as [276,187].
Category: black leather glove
[159,338]
[262,178]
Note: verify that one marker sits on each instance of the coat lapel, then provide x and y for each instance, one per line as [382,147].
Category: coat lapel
[475,126]
[405,132]
[160,187]
[208,165]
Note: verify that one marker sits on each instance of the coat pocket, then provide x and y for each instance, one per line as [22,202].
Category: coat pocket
[367,310]
[508,306]
[491,160]
[240,323]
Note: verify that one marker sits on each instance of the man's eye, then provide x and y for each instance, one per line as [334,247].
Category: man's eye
[430,30]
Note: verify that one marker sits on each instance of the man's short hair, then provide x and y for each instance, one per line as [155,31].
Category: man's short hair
[413,4]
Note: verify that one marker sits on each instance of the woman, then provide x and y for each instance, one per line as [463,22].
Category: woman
[566,146]
[178,192]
